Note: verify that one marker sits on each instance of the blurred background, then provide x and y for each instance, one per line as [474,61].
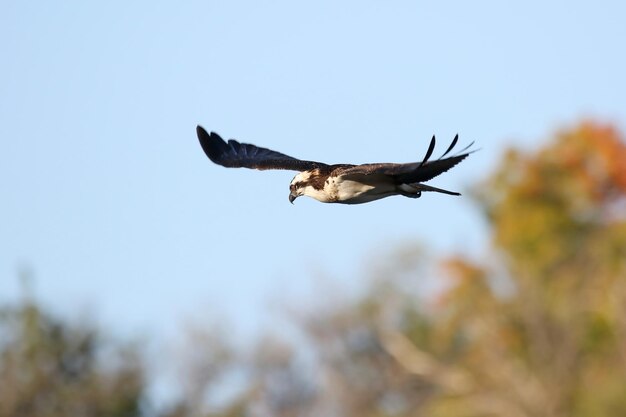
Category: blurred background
[139,279]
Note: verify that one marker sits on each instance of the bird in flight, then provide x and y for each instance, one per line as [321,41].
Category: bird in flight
[338,183]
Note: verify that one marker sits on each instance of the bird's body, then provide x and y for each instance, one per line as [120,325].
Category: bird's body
[341,183]
[338,188]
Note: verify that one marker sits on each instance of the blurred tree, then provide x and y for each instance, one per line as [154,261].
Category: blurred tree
[537,330]
[205,361]
[555,345]
[51,369]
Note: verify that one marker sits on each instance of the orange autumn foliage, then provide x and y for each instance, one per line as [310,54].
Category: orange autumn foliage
[556,337]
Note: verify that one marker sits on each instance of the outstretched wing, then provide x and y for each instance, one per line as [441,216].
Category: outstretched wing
[243,155]
[416,171]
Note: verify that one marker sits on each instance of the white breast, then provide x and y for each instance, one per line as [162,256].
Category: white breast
[358,189]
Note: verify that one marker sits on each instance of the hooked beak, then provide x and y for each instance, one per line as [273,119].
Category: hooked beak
[292,197]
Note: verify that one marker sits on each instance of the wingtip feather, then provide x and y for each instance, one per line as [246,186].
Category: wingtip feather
[212,144]
[452,145]
[430,150]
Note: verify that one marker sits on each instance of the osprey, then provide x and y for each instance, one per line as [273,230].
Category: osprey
[339,183]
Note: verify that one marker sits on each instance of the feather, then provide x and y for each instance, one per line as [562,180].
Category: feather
[454,141]
[431,148]
[244,155]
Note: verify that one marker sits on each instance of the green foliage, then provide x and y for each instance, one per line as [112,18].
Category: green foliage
[48,368]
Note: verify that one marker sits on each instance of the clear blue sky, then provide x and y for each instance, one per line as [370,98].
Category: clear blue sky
[107,196]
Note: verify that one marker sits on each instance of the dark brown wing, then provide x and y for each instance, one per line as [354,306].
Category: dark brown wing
[243,155]
[415,172]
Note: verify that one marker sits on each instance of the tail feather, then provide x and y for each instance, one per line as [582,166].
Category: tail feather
[424,187]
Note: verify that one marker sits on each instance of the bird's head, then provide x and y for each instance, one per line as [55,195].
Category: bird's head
[297,186]
[302,184]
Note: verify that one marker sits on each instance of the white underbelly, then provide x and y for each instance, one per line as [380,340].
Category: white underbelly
[355,192]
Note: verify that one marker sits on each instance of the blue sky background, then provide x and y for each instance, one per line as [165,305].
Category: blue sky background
[108,198]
